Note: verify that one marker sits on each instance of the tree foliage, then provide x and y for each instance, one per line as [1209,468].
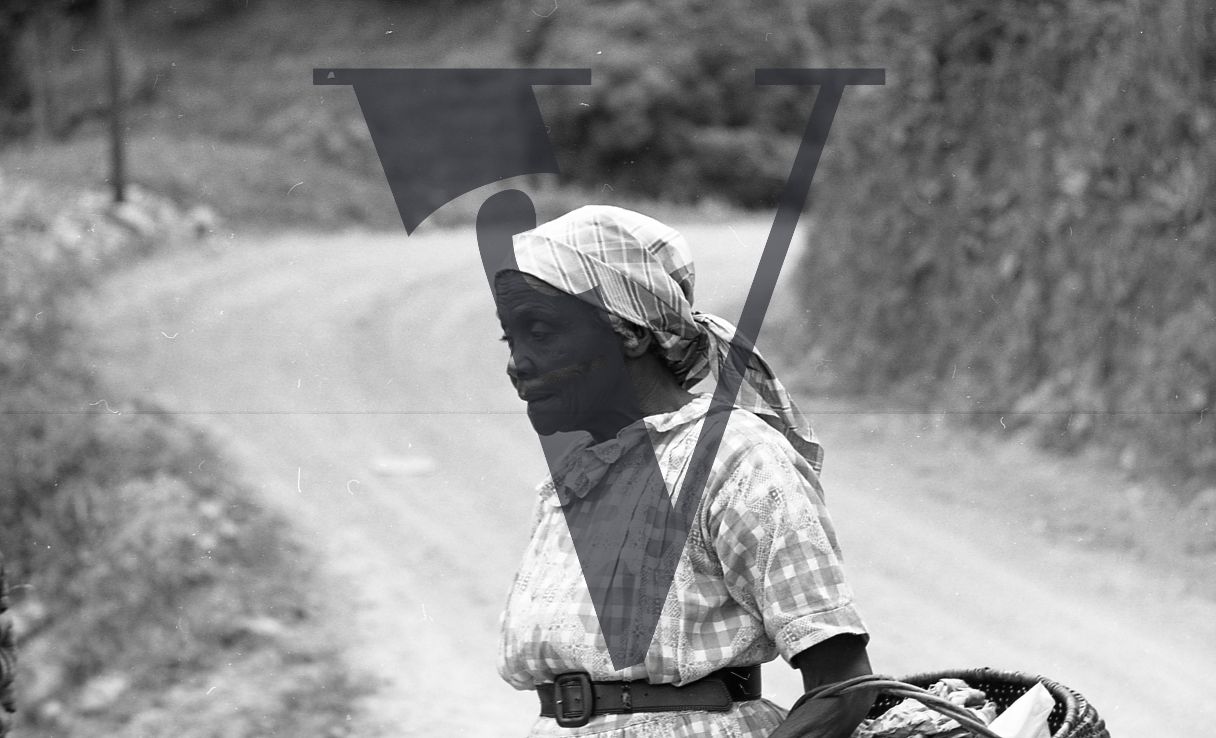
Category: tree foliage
[673,110]
[1021,223]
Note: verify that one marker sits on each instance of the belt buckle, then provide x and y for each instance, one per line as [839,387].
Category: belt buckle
[573,700]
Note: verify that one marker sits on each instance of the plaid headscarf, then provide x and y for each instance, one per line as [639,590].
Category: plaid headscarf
[641,271]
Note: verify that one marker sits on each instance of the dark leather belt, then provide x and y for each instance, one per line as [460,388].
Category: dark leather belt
[573,698]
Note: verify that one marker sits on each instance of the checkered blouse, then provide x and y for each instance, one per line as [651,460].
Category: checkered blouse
[760,574]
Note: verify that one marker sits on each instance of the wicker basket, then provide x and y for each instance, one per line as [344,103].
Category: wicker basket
[1072,716]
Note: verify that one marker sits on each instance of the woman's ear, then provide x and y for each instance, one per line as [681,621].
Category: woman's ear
[635,340]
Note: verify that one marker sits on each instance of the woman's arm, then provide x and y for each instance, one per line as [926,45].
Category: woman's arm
[780,558]
[836,659]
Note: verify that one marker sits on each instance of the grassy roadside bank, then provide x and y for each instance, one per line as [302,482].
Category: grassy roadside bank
[151,594]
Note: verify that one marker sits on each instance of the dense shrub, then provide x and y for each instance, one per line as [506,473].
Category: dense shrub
[673,110]
[1022,222]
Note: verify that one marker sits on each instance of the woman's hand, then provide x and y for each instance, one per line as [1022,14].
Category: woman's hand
[836,659]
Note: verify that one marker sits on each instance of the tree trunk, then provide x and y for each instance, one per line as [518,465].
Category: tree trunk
[37,64]
[110,10]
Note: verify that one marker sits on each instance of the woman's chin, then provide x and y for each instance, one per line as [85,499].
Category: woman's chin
[546,420]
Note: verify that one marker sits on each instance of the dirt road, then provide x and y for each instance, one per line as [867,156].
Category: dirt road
[356,380]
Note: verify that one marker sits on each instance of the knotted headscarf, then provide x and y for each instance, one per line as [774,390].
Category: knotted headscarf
[641,271]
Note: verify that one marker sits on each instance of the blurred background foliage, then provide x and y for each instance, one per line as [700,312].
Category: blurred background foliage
[1018,227]
[1021,225]
[673,111]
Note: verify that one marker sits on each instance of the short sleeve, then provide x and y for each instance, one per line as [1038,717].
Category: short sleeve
[778,549]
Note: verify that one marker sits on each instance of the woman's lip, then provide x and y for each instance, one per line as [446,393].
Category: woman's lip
[550,384]
[534,396]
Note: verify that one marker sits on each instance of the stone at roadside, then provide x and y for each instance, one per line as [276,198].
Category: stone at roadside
[102,691]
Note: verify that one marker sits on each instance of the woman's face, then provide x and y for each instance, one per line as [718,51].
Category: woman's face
[565,362]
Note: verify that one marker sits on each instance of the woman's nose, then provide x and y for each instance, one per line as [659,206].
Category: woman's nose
[519,367]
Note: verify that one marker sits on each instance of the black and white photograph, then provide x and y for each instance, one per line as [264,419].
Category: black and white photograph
[504,368]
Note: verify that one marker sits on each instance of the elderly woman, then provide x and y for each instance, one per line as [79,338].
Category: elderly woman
[596,309]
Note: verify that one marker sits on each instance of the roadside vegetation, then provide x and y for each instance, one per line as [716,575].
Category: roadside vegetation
[1021,228]
[146,583]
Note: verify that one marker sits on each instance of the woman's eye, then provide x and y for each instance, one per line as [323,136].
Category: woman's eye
[540,332]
